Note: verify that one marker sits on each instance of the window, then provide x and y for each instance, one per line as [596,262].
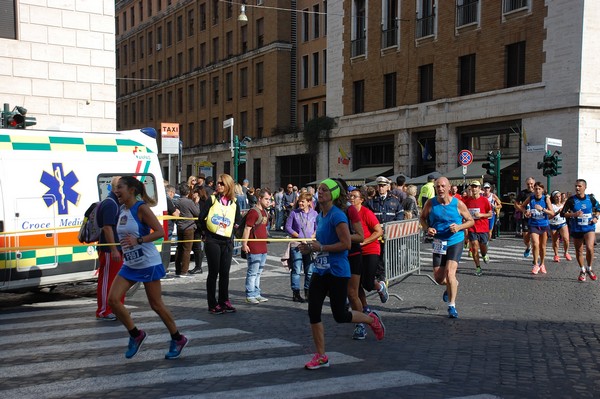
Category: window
[151,74]
[125,54]
[142,80]
[159,38]
[191,93]
[215,130]
[202,55]
[169,67]
[244,38]
[159,68]
[315,108]
[229,86]
[389,24]
[132,45]
[202,93]
[304,71]
[132,17]
[425,18]
[7,19]
[244,82]
[170,103]
[215,49]
[149,8]
[315,69]
[305,25]
[125,84]
[304,115]
[180,100]
[229,9]
[243,123]
[124,21]
[389,90]
[125,114]
[359,29]
[141,9]
[467,75]
[324,18]
[179,63]
[256,168]
[426,83]
[260,32]
[179,28]
[141,41]
[359,96]
[159,106]
[467,12]
[324,66]
[159,5]
[169,33]
[316,17]
[259,78]
[215,12]
[512,5]
[202,132]
[133,81]
[259,123]
[202,12]
[515,64]
[215,87]
[191,59]
[190,134]
[150,43]
[190,22]
[142,110]
[229,43]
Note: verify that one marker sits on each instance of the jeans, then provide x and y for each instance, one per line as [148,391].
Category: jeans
[299,263]
[256,264]
[278,219]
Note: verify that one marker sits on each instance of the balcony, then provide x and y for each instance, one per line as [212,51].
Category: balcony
[467,13]
[359,46]
[425,26]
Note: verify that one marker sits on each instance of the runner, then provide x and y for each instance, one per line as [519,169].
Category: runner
[480,209]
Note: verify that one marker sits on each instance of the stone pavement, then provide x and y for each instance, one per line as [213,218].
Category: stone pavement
[518,336]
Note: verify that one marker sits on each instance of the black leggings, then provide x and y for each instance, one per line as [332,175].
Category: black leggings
[218,257]
[337,288]
[369,268]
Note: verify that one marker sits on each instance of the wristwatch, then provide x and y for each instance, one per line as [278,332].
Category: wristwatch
[140,240]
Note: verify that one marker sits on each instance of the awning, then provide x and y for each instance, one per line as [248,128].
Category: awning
[423,178]
[392,178]
[476,170]
[360,176]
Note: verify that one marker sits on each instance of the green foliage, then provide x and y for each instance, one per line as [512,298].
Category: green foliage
[313,129]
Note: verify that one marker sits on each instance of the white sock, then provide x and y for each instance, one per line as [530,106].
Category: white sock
[451,304]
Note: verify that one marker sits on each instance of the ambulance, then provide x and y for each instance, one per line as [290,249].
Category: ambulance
[48,179]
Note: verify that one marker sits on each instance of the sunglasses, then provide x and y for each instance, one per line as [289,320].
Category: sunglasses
[220,183]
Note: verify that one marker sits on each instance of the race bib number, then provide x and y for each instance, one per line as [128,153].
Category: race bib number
[439,246]
[133,255]
[322,261]
[584,219]
[535,214]
[473,211]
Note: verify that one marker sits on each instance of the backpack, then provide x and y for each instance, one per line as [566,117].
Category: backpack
[238,230]
[90,230]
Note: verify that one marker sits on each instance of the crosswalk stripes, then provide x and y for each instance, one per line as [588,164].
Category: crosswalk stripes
[36,369]
[497,255]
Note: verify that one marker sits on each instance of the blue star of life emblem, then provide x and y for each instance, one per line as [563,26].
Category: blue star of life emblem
[60,188]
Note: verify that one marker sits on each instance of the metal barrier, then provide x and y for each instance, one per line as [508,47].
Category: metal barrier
[402,251]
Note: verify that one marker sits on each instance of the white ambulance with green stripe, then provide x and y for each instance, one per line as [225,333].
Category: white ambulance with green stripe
[48,179]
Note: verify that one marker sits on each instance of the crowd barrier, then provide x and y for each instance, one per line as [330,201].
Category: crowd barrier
[402,247]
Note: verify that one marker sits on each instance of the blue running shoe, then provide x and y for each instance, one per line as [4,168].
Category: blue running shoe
[360,332]
[452,313]
[383,292]
[527,252]
[445,296]
[176,348]
[135,344]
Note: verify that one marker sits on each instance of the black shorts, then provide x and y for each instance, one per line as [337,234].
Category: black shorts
[453,252]
[481,237]
[579,235]
[355,264]
[539,230]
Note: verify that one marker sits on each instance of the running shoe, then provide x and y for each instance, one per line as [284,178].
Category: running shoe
[216,310]
[581,276]
[135,344]
[452,313]
[377,326]
[383,292]
[543,269]
[536,269]
[478,271]
[567,256]
[527,252]
[252,300]
[176,347]
[360,332]
[227,308]
[486,258]
[556,258]
[470,253]
[592,275]
[261,299]
[445,296]
[108,317]
[317,362]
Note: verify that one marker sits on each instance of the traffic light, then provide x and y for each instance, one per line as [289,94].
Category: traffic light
[491,166]
[242,150]
[547,165]
[16,118]
[556,166]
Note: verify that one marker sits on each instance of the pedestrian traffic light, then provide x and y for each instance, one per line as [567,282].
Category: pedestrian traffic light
[491,166]
[547,165]
[16,118]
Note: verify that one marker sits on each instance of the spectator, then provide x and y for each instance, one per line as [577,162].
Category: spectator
[185,231]
[427,191]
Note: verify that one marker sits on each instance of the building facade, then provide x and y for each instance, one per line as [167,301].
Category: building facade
[58,62]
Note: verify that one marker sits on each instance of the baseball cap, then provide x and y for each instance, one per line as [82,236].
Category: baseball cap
[383,180]
[475,183]
[431,177]
[487,185]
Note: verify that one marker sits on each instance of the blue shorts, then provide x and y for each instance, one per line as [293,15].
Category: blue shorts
[144,275]
[557,226]
[539,229]
[492,221]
